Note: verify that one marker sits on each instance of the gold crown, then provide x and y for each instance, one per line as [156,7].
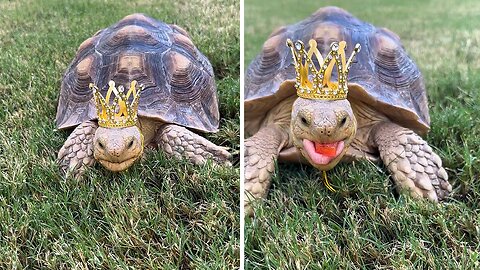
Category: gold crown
[321,87]
[121,113]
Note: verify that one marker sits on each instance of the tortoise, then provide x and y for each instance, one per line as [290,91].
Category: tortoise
[382,119]
[178,98]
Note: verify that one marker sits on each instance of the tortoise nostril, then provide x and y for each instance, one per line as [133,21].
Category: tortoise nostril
[130,144]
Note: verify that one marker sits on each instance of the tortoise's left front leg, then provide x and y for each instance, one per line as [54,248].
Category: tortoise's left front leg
[411,161]
[180,142]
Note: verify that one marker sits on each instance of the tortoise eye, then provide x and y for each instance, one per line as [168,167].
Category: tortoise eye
[304,121]
[343,121]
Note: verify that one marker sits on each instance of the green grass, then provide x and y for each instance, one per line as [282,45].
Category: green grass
[366,224]
[161,213]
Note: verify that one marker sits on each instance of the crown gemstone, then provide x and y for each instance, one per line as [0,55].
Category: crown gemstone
[298,46]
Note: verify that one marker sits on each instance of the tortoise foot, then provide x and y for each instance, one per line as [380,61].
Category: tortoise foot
[261,152]
[76,153]
[413,164]
[180,142]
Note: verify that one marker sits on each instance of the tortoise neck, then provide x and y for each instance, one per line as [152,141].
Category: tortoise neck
[148,128]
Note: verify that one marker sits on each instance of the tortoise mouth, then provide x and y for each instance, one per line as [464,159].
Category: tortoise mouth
[323,154]
[118,166]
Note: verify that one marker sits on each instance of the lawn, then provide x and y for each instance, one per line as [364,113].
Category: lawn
[366,224]
[161,213]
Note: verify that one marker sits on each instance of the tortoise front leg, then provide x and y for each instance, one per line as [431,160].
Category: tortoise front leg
[77,152]
[411,161]
[180,142]
[261,152]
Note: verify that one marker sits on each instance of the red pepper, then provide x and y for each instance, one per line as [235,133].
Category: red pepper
[326,149]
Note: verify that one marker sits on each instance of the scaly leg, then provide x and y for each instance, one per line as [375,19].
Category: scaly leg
[180,142]
[261,152]
[411,161]
[77,152]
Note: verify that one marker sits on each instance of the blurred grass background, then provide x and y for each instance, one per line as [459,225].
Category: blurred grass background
[161,213]
[367,225]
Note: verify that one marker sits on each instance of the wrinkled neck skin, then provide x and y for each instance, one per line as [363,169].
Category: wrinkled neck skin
[322,124]
[118,148]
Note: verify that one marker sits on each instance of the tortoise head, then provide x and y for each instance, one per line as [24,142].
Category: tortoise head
[117,148]
[322,130]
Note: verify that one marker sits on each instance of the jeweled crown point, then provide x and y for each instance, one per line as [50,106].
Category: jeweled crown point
[320,87]
[120,112]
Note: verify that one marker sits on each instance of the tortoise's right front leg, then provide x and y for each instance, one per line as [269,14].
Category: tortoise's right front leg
[77,152]
[261,152]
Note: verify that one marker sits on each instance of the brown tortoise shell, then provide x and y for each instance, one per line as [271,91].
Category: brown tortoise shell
[178,79]
[383,75]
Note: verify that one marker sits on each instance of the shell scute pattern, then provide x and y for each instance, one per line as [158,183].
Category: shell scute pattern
[383,76]
[178,79]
